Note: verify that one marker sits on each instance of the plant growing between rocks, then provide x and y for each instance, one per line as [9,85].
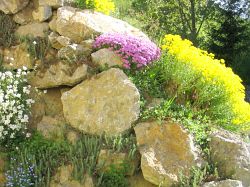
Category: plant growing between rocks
[15,106]
[134,51]
[104,6]
[37,47]
[7,30]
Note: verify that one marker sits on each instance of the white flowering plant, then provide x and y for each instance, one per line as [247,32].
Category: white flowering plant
[15,106]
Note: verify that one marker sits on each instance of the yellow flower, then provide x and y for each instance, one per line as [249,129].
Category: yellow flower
[213,70]
[104,6]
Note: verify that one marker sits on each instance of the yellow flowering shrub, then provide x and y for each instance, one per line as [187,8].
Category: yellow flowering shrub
[212,71]
[104,6]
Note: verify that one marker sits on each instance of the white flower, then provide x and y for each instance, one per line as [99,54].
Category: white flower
[45,91]
[28,135]
[34,42]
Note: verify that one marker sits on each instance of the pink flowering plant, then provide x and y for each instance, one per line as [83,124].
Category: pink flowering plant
[134,51]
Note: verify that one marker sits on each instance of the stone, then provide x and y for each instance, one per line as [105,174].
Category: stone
[80,25]
[53,40]
[107,103]
[52,23]
[154,102]
[55,3]
[58,74]
[231,155]
[52,102]
[72,137]
[105,57]
[74,53]
[58,41]
[63,174]
[24,16]
[51,128]
[37,109]
[108,158]
[33,29]
[138,181]
[17,57]
[63,178]
[12,6]
[166,150]
[87,43]
[2,169]
[224,183]
[42,13]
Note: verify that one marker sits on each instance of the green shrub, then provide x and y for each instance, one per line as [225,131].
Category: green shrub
[115,177]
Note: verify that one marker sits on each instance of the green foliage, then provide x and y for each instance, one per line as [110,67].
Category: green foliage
[83,156]
[7,30]
[159,112]
[37,47]
[1,63]
[45,156]
[115,176]
[121,143]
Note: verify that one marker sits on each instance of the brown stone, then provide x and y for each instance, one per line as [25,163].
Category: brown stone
[109,158]
[33,29]
[107,103]
[12,6]
[166,150]
[105,57]
[16,57]
[58,74]
[80,25]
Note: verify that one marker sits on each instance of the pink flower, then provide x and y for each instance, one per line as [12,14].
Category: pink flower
[133,50]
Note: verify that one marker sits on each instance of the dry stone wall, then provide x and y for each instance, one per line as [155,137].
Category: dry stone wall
[72,97]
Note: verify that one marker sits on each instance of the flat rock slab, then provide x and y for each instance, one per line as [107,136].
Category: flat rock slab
[107,103]
[166,149]
[80,25]
[58,74]
[33,29]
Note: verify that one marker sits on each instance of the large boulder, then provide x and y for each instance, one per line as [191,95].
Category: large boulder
[166,149]
[33,29]
[107,103]
[12,6]
[224,183]
[232,156]
[58,74]
[85,24]
[105,57]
